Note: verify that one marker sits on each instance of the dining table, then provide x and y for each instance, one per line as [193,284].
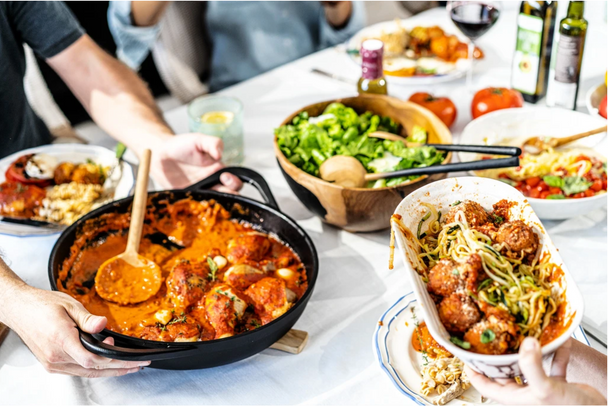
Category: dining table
[355,285]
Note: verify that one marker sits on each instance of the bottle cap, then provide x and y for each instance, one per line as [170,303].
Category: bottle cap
[371,59]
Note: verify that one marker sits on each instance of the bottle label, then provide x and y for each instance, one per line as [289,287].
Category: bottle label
[568,53]
[371,59]
[526,61]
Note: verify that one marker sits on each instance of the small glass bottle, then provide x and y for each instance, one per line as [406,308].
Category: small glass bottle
[564,87]
[372,75]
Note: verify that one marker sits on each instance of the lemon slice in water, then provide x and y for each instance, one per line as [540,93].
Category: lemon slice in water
[219,117]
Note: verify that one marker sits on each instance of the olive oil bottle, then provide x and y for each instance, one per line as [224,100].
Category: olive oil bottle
[532,59]
[564,86]
[372,74]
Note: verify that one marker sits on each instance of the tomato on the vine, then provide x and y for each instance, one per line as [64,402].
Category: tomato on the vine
[443,107]
[491,99]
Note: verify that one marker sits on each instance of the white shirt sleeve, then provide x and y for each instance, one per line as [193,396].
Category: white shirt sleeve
[133,44]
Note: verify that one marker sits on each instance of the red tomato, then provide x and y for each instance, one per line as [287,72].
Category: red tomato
[16,173]
[534,193]
[555,190]
[443,107]
[596,186]
[589,192]
[534,181]
[490,99]
[579,195]
[545,194]
[602,109]
[542,186]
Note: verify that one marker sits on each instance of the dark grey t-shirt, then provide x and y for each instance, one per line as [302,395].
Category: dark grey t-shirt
[48,28]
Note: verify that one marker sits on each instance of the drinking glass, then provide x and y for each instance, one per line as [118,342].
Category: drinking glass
[473,19]
[219,116]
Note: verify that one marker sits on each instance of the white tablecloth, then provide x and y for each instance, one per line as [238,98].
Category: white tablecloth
[354,287]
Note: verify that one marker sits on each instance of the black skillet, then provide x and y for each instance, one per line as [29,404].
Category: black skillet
[198,355]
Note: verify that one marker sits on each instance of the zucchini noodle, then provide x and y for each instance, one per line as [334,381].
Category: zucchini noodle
[525,291]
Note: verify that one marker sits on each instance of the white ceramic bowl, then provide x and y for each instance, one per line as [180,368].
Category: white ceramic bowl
[522,123]
[486,192]
[594,98]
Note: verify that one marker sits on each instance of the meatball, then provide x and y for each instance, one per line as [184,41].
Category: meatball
[187,282]
[443,278]
[271,298]
[180,329]
[224,306]
[63,173]
[447,276]
[242,276]
[473,213]
[492,336]
[252,247]
[458,313]
[88,174]
[519,240]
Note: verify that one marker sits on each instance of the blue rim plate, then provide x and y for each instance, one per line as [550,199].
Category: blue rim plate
[398,359]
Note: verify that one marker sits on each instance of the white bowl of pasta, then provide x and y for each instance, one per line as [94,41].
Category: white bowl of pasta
[485,272]
[560,184]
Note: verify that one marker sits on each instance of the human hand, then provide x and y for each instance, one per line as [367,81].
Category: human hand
[337,13]
[46,322]
[540,388]
[182,160]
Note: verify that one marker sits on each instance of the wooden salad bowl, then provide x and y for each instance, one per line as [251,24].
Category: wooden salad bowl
[363,209]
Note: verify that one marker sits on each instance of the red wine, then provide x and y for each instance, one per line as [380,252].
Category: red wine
[474,19]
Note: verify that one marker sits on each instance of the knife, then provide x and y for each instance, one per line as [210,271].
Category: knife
[32,222]
[332,76]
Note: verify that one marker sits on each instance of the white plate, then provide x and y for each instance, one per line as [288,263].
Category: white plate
[526,122]
[486,192]
[392,346]
[355,44]
[76,153]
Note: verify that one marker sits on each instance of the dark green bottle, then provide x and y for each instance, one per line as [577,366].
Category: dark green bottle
[572,29]
[532,59]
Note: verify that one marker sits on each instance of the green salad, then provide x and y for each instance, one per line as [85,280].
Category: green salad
[308,141]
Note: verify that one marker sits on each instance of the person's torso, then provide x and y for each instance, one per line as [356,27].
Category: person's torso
[20,128]
[253,37]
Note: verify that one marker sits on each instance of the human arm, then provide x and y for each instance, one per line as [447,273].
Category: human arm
[340,20]
[120,103]
[47,323]
[553,389]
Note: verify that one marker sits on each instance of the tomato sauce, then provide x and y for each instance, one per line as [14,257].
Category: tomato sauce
[422,341]
[206,231]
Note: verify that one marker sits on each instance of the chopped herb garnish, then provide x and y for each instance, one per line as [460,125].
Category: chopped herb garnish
[255,323]
[212,269]
[453,229]
[456,272]
[459,342]
[484,284]
[487,336]
[456,203]
[424,218]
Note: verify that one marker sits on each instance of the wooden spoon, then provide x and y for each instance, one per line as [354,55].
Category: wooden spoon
[130,278]
[536,145]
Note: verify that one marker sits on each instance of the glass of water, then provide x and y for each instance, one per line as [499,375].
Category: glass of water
[219,116]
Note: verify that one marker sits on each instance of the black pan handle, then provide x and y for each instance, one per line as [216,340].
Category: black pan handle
[440,169]
[245,175]
[100,348]
[497,150]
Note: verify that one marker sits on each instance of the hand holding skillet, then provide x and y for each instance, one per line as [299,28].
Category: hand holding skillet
[130,278]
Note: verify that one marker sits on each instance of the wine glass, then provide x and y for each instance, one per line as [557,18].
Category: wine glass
[474,19]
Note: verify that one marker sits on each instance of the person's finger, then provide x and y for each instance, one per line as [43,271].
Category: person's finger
[109,340]
[559,366]
[221,188]
[85,320]
[231,181]
[88,360]
[531,365]
[213,146]
[76,370]
[507,393]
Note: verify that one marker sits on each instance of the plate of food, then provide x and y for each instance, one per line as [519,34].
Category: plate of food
[560,183]
[417,365]
[485,271]
[45,189]
[416,54]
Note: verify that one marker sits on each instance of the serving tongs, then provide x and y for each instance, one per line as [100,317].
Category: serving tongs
[349,172]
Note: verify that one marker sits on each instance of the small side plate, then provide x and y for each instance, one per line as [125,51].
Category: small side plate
[392,344]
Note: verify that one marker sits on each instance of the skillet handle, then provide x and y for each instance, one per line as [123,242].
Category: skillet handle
[97,347]
[245,175]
